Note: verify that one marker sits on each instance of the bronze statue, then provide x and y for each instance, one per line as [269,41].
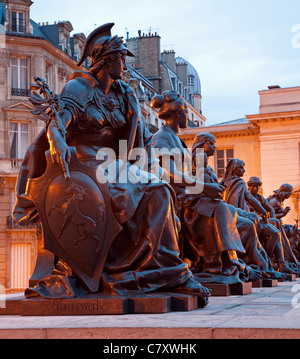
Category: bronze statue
[238,195]
[276,200]
[118,237]
[271,229]
[243,219]
[210,239]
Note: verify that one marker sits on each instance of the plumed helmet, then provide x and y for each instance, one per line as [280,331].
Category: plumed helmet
[100,43]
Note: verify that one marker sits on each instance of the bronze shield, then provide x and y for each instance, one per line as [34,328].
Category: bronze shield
[77,219]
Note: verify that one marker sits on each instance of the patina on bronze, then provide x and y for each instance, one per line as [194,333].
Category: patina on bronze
[243,219]
[238,195]
[209,236]
[118,238]
[282,246]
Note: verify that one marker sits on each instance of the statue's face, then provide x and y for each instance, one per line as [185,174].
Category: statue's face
[116,67]
[254,189]
[287,195]
[240,171]
[209,147]
[183,116]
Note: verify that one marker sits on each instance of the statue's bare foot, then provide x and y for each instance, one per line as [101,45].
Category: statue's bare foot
[254,275]
[285,268]
[193,287]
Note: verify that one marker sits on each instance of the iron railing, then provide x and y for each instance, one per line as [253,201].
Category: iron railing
[20,92]
[11,224]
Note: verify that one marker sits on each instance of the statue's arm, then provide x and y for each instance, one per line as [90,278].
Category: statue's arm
[182,180]
[255,204]
[59,150]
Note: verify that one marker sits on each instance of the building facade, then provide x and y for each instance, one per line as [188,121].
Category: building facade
[166,72]
[27,49]
[268,143]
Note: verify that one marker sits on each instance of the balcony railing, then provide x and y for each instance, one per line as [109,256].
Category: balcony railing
[11,165]
[20,92]
[11,224]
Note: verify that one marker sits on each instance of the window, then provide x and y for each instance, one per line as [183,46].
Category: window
[173,83]
[222,159]
[180,88]
[18,21]
[20,271]
[19,76]
[191,80]
[49,76]
[19,139]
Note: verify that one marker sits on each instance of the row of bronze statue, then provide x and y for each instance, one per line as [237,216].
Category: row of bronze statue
[132,237]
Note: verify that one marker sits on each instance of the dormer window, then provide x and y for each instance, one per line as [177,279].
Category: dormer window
[18,21]
[191,80]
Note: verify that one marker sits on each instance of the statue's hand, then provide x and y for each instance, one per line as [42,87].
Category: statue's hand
[61,154]
[213,190]
[253,217]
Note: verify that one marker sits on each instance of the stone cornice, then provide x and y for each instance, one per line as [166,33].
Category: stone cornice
[240,130]
[273,117]
[39,42]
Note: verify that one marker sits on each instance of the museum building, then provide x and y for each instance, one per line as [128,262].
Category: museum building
[268,142]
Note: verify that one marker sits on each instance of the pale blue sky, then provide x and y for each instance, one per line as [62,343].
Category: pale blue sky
[238,47]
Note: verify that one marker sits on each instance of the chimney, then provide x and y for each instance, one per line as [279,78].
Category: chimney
[169,57]
[273,87]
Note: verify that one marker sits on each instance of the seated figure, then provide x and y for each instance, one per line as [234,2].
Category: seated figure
[238,195]
[210,238]
[142,254]
[277,202]
[244,220]
[267,230]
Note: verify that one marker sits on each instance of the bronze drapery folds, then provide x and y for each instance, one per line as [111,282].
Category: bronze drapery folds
[210,238]
[118,237]
[238,195]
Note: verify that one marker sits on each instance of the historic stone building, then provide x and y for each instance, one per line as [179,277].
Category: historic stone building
[166,72]
[27,49]
[268,143]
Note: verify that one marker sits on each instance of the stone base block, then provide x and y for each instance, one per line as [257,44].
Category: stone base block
[241,288]
[257,283]
[218,290]
[288,278]
[270,283]
[97,304]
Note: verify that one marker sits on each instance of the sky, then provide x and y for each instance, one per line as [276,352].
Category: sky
[238,47]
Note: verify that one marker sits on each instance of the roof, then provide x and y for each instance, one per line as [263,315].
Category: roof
[239,121]
[134,73]
[196,87]
[36,30]
[2,14]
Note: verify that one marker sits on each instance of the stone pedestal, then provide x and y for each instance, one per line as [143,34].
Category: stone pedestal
[99,304]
